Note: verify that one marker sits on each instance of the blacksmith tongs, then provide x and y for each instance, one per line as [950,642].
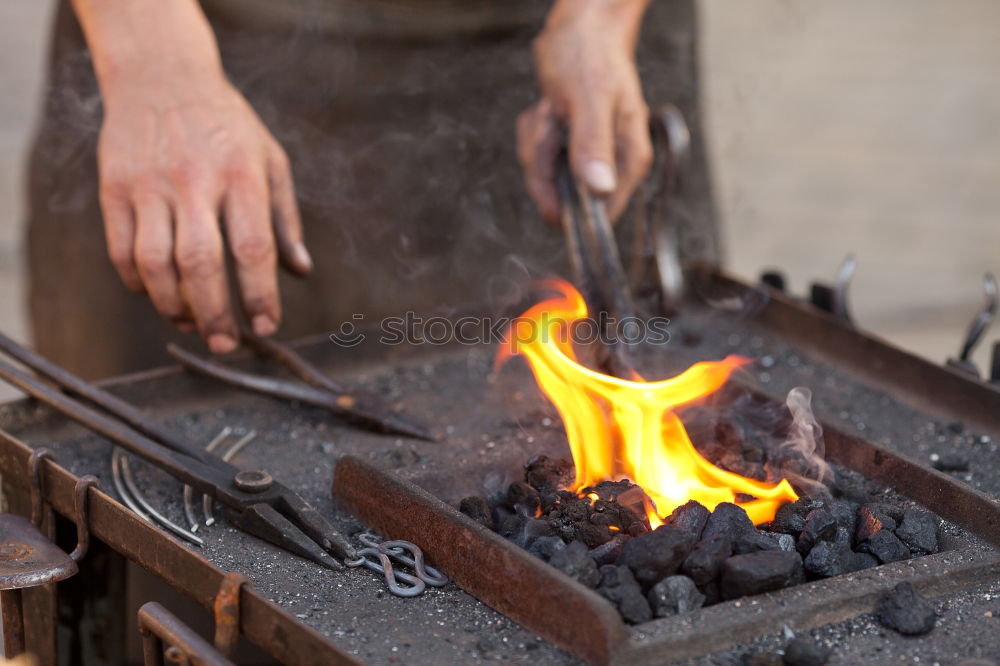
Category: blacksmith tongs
[255,503]
[318,390]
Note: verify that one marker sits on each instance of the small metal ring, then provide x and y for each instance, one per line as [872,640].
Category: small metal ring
[35,481]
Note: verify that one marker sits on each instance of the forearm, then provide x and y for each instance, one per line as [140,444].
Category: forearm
[140,41]
[623,17]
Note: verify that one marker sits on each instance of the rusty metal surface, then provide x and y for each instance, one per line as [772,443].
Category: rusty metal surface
[507,578]
[263,623]
[27,558]
[483,563]
[227,613]
[162,629]
[493,424]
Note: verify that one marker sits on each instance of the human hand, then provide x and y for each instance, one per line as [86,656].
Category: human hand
[585,60]
[181,150]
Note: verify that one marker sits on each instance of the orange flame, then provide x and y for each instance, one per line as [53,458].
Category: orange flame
[620,428]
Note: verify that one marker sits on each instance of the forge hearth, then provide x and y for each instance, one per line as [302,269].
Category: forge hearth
[884,413]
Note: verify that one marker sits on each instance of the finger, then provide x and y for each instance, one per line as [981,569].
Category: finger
[635,156]
[287,221]
[538,147]
[154,257]
[119,234]
[592,144]
[199,256]
[251,242]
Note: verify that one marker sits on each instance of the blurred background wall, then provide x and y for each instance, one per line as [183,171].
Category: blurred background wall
[855,126]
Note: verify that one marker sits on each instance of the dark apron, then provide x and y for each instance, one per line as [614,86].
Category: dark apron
[399,124]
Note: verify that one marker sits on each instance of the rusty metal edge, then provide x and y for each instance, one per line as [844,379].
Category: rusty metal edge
[802,607]
[933,388]
[464,550]
[263,622]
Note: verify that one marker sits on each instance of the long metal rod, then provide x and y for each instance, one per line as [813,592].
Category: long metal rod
[178,465]
[103,399]
[347,405]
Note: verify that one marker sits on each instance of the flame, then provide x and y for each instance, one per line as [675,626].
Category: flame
[619,428]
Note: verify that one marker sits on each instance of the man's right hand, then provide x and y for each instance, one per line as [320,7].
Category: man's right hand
[179,151]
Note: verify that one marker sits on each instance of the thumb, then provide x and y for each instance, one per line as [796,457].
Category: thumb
[592,146]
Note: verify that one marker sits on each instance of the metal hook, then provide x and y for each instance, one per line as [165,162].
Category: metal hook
[35,478]
[83,485]
[983,319]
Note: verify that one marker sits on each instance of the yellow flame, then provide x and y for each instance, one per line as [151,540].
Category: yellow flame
[620,428]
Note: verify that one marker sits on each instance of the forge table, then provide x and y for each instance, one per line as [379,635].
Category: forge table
[491,422]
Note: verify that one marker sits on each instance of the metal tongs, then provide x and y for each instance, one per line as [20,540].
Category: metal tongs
[593,250]
[255,503]
[319,390]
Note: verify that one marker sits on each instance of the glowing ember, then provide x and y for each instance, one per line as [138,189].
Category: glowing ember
[627,428]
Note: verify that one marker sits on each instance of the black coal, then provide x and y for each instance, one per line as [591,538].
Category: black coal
[602,538]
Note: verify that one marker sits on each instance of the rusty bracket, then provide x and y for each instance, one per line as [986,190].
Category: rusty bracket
[165,638]
[227,613]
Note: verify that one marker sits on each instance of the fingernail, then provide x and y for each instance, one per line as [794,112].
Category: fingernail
[302,257]
[220,343]
[599,177]
[263,325]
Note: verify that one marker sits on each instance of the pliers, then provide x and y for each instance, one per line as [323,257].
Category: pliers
[255,502]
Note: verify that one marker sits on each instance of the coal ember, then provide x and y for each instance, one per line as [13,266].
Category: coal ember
[727,519]
[675,595]
[704,562]
[820,525]
[827,559]
[535,529]
[919,531]
[608,552]
[907,611]
[690,517]
[657,554]
[764,571]
[619,586]
[547,546]
[885,547]
[575,562]
[547,474]
[521,495]
[871,520]
[846,513]
[791,518]
[476,508]
[861,561]
[803,651]
[511,526]
[783,541]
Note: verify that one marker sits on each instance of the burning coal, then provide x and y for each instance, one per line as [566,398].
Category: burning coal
[629,429]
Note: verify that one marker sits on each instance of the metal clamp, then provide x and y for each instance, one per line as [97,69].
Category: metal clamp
[166,637]
[977,327]
[80,504]
[227,614]
[404,552]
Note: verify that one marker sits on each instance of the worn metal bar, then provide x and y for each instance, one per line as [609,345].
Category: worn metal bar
[264,623]
[13,622]
[112,404]
[157,620]
[926,385]
[483,563]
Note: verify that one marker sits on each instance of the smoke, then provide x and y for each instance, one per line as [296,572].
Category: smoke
[800,456]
